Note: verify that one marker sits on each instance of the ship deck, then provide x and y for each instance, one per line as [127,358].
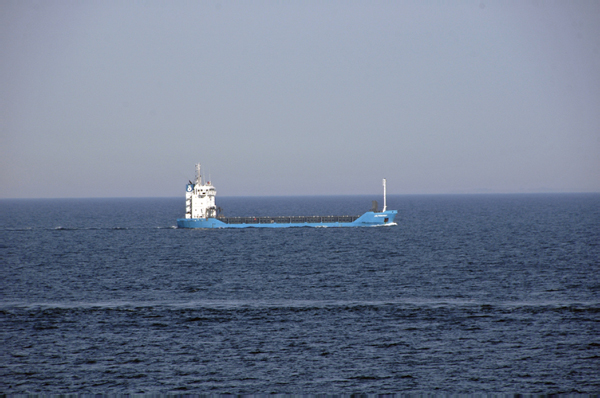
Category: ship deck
[288,220]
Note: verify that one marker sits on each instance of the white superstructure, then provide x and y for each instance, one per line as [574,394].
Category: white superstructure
[200,198]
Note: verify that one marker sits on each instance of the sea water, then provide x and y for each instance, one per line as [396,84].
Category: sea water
[474,293]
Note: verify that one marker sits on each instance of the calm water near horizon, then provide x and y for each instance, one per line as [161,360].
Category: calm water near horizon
[469,293]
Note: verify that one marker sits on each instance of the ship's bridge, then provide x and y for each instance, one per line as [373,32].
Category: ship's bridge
[200,198]
[205,190]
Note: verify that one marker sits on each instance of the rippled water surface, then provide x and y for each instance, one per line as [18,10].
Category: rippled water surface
[490,293]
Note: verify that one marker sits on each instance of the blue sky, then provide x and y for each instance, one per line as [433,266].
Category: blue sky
[121,99]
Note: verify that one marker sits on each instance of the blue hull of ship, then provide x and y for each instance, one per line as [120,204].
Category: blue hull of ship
[369,219]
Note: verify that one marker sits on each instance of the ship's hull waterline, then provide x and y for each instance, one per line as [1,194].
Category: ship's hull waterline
[369,219]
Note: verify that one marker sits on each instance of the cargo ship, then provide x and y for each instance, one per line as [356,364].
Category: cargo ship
[202,212]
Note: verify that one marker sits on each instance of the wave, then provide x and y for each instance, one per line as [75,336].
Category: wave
[61,228]
[310,305]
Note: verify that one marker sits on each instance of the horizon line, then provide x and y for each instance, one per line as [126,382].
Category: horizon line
[316,195]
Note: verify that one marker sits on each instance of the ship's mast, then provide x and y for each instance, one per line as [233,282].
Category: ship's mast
[198,175]
[384,196]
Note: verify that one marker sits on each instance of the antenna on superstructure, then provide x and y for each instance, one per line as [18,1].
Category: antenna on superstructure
[384,196]
[198,175]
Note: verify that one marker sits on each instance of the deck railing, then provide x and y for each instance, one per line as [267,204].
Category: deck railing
[288,220]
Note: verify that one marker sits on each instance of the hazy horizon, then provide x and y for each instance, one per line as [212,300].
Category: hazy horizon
[122,99]
[370,197]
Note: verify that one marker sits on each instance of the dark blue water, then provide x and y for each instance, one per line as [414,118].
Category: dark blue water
[497,293]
